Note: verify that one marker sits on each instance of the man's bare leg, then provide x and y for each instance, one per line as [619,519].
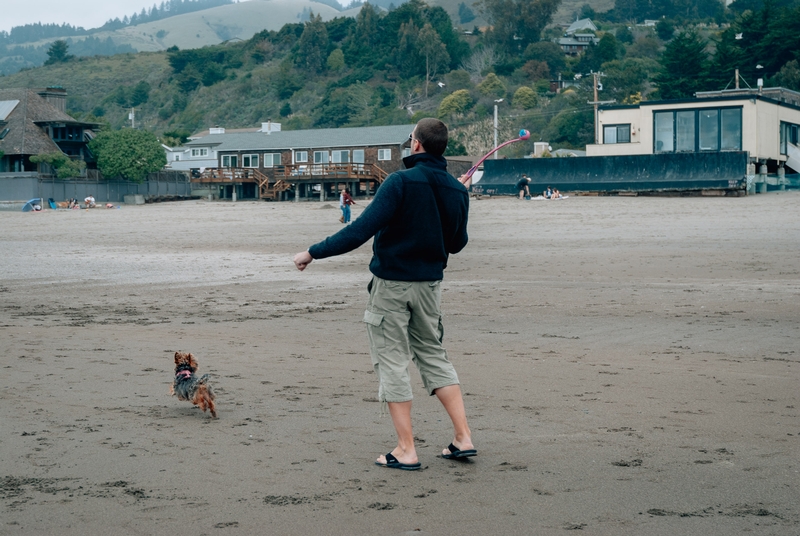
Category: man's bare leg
[453,403]
[401,418]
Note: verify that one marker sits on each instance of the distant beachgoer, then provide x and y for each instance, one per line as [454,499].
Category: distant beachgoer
[523,188]
[89,201]
[344,203]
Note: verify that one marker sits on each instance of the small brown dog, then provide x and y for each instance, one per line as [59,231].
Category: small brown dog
[187,386]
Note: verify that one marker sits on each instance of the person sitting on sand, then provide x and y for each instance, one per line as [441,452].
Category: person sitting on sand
[89,201]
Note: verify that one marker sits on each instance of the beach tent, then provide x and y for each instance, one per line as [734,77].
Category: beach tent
[28,207]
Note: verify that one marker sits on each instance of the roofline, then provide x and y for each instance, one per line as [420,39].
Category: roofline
[309,147]
[700,100]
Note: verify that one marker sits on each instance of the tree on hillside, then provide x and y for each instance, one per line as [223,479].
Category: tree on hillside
[362,46]
[517,23]
[608,49]
[684,66]
[130,154]
[549,52]
[407,59]
[140,93]
[58,53]
[312,49]
[435,53]
[728,57]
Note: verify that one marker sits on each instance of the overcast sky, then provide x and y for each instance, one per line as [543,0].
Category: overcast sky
[86,13]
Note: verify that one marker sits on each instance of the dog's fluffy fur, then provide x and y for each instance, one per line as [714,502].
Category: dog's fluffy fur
[189,387]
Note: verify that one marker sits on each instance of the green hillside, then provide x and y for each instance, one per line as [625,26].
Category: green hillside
[394,67]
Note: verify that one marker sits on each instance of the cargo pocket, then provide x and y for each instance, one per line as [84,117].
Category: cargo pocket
[374,324]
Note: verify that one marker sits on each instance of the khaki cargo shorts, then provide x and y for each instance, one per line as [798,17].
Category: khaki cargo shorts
[404,324]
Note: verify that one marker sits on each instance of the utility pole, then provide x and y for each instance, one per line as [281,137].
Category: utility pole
[495,125]
[596,104]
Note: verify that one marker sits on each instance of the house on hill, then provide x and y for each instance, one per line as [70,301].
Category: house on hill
[578,37]
[33,122]
[298,164]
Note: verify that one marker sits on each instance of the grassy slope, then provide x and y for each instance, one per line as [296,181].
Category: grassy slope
[213,26]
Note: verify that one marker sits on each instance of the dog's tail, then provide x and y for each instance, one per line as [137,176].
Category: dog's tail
[203,380]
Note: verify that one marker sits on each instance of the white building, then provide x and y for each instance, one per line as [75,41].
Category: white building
[762,122]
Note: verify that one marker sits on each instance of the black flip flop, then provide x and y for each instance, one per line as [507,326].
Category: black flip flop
[456,453]
[393,463]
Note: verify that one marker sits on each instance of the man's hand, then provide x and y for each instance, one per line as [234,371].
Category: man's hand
[465,180]
[301,260]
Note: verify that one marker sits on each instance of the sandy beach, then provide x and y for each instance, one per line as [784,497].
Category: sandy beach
[631,366]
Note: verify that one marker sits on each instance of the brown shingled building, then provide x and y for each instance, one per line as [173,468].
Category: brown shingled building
[34,121]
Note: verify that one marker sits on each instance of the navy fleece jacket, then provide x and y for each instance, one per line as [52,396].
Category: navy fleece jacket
[411,242]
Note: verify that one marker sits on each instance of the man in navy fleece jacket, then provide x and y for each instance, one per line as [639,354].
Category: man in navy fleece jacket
[418,218]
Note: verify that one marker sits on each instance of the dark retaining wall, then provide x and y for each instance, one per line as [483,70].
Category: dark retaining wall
[634,173]
[25,186]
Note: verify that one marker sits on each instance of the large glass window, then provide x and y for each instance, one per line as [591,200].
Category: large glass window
[704,129]
[301,156]
[709,130]
[200,152]
[384,154]
[358,156]
[731,129]
[664,132]
[320,157]
[230,160]
[684,132]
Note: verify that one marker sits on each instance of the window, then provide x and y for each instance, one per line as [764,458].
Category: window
[405,152]
[301,156]
[230,160]
[789,133]
[340,157]
[320,157]
[709,130]
[684,132]
[664,132]
[250,160]
[731,129]
[703,129]
[177,158]
[200,152]
[272,159]
[617,134]
[358,156]
[384,154]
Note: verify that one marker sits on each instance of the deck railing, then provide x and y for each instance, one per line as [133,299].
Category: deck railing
[293,173]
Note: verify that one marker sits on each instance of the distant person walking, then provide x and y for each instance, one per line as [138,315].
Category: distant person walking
[344,203]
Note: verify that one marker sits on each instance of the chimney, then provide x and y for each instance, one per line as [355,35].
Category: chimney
[269,127]
[56,96]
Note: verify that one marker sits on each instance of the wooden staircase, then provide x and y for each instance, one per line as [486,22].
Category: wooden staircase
[272,191]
